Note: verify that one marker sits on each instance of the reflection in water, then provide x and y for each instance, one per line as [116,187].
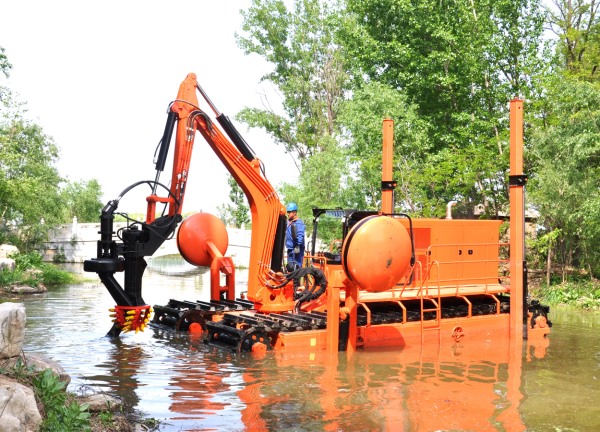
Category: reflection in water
[191,386]
[384,390]
[120,370]
[174,265]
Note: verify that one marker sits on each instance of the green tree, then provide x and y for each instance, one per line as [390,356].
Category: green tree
[236,214]
[308,72]
[29,186]
[361,119]
[5,67]
[565,184]
[458,64]
[82,199]
[576,24]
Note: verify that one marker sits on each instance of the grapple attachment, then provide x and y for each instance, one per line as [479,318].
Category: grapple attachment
[131,318]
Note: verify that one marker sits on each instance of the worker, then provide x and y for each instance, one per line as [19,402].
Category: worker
[294,235]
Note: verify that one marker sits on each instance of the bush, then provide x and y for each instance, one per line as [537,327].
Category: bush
[60,413]
[52,276]
[59,410]
[580,294]
[31,270]
[28,260]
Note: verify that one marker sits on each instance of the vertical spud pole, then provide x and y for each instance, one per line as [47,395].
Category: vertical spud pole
[387,184]
[517,182]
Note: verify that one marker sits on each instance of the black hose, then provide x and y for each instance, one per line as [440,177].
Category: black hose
[310,293]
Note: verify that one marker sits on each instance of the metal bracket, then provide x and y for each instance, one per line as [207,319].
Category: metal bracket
[388,185]
[517,180]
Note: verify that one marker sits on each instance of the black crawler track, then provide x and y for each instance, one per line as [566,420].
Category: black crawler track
[238,326]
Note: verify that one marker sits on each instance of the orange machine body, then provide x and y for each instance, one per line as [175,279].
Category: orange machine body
[396,281]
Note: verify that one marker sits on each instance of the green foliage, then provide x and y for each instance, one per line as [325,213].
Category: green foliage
[8,277]
[54,276]
[5,67]
[459,62]
[576,24]
[29,183]
[106,418]
[444,72]
[329,235]
[582,294]
[31,270]
[308,70]
[361,119]
[59,256]
[236,214]
[60,413]
[319,181]
[19,372]
[566,161]
[456,64]
[24,261]
[82,200]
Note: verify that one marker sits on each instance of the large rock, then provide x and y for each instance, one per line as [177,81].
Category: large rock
[7,250]
[37,363]
[7,264]
[25,289]
[12,329]
[18,409]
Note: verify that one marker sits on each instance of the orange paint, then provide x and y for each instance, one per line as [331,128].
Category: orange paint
[376,253]
[396,281]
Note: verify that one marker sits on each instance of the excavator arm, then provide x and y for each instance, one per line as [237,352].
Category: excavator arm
[267,211]
[141,239]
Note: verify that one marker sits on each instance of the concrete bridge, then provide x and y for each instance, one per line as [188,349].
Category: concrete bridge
[77,242]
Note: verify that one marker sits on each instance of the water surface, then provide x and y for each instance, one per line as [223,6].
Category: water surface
[190,386]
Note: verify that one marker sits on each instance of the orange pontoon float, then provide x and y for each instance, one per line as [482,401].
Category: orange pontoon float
[394,281]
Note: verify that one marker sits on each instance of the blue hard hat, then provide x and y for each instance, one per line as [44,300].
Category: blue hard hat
[292,207]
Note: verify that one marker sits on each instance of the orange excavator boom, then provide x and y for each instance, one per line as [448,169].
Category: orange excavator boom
[140,239]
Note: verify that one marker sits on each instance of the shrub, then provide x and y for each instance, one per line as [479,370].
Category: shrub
[580,294]
[31,270]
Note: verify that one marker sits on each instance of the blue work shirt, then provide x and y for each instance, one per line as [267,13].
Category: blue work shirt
[294,236]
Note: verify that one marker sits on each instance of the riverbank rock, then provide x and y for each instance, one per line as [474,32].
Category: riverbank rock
[6,251]
[25,289]
[101,402]
[36,363]
[18,409]
[12,329]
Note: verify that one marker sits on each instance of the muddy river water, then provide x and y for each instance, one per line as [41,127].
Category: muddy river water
[189,386]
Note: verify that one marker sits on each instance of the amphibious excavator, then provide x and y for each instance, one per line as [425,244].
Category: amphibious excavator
[391,280]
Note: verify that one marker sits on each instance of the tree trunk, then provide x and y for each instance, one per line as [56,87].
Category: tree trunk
[549,264]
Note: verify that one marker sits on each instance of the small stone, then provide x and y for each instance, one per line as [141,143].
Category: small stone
[101,402]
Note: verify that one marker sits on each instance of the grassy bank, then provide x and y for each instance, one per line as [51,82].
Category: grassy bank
[581,294]
[61,410]
[31,271]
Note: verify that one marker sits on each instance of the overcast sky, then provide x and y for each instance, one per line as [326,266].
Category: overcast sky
[98,77]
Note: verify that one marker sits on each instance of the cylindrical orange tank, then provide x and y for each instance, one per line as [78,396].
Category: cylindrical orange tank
[376,253]
[195,234]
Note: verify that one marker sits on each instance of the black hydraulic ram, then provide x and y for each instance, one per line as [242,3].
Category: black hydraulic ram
[165,142]
[229,128]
